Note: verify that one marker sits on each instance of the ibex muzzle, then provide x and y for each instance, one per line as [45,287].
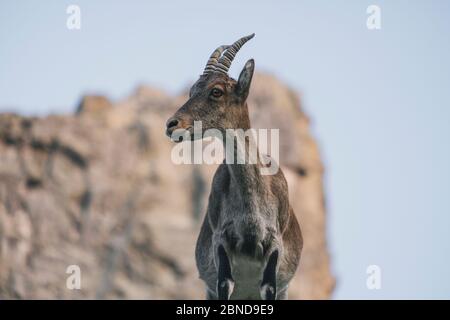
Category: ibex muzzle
[250,242]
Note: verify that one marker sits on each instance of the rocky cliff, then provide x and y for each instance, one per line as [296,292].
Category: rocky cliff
[98,189]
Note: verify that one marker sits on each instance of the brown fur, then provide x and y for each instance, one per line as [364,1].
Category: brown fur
[248,214]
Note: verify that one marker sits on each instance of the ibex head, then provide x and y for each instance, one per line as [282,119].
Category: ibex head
[216,99]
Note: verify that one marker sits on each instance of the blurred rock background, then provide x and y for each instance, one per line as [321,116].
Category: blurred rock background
[98,189]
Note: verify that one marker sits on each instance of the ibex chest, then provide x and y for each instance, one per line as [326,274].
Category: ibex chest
[250,209]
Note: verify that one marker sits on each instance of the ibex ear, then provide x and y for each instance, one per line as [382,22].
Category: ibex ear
[245,79]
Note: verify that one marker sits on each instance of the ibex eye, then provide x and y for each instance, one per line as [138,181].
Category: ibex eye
[216,93]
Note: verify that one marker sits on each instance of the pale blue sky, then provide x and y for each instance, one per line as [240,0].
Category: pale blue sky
[379,101]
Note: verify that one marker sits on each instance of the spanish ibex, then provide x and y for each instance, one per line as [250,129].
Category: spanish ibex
[250,241]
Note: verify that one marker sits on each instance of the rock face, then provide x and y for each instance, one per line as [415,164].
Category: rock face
[98,190]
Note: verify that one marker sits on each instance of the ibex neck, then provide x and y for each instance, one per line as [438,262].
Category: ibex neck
[242,160]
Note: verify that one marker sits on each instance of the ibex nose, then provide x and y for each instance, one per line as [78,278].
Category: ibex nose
[172,123]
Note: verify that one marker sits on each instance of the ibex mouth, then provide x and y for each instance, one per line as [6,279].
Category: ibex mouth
[180,134]
[177,139]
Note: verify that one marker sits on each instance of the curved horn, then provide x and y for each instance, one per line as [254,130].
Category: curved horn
[224,62]
[212,61]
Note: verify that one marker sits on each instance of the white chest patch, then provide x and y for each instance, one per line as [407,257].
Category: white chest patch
[247,274]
